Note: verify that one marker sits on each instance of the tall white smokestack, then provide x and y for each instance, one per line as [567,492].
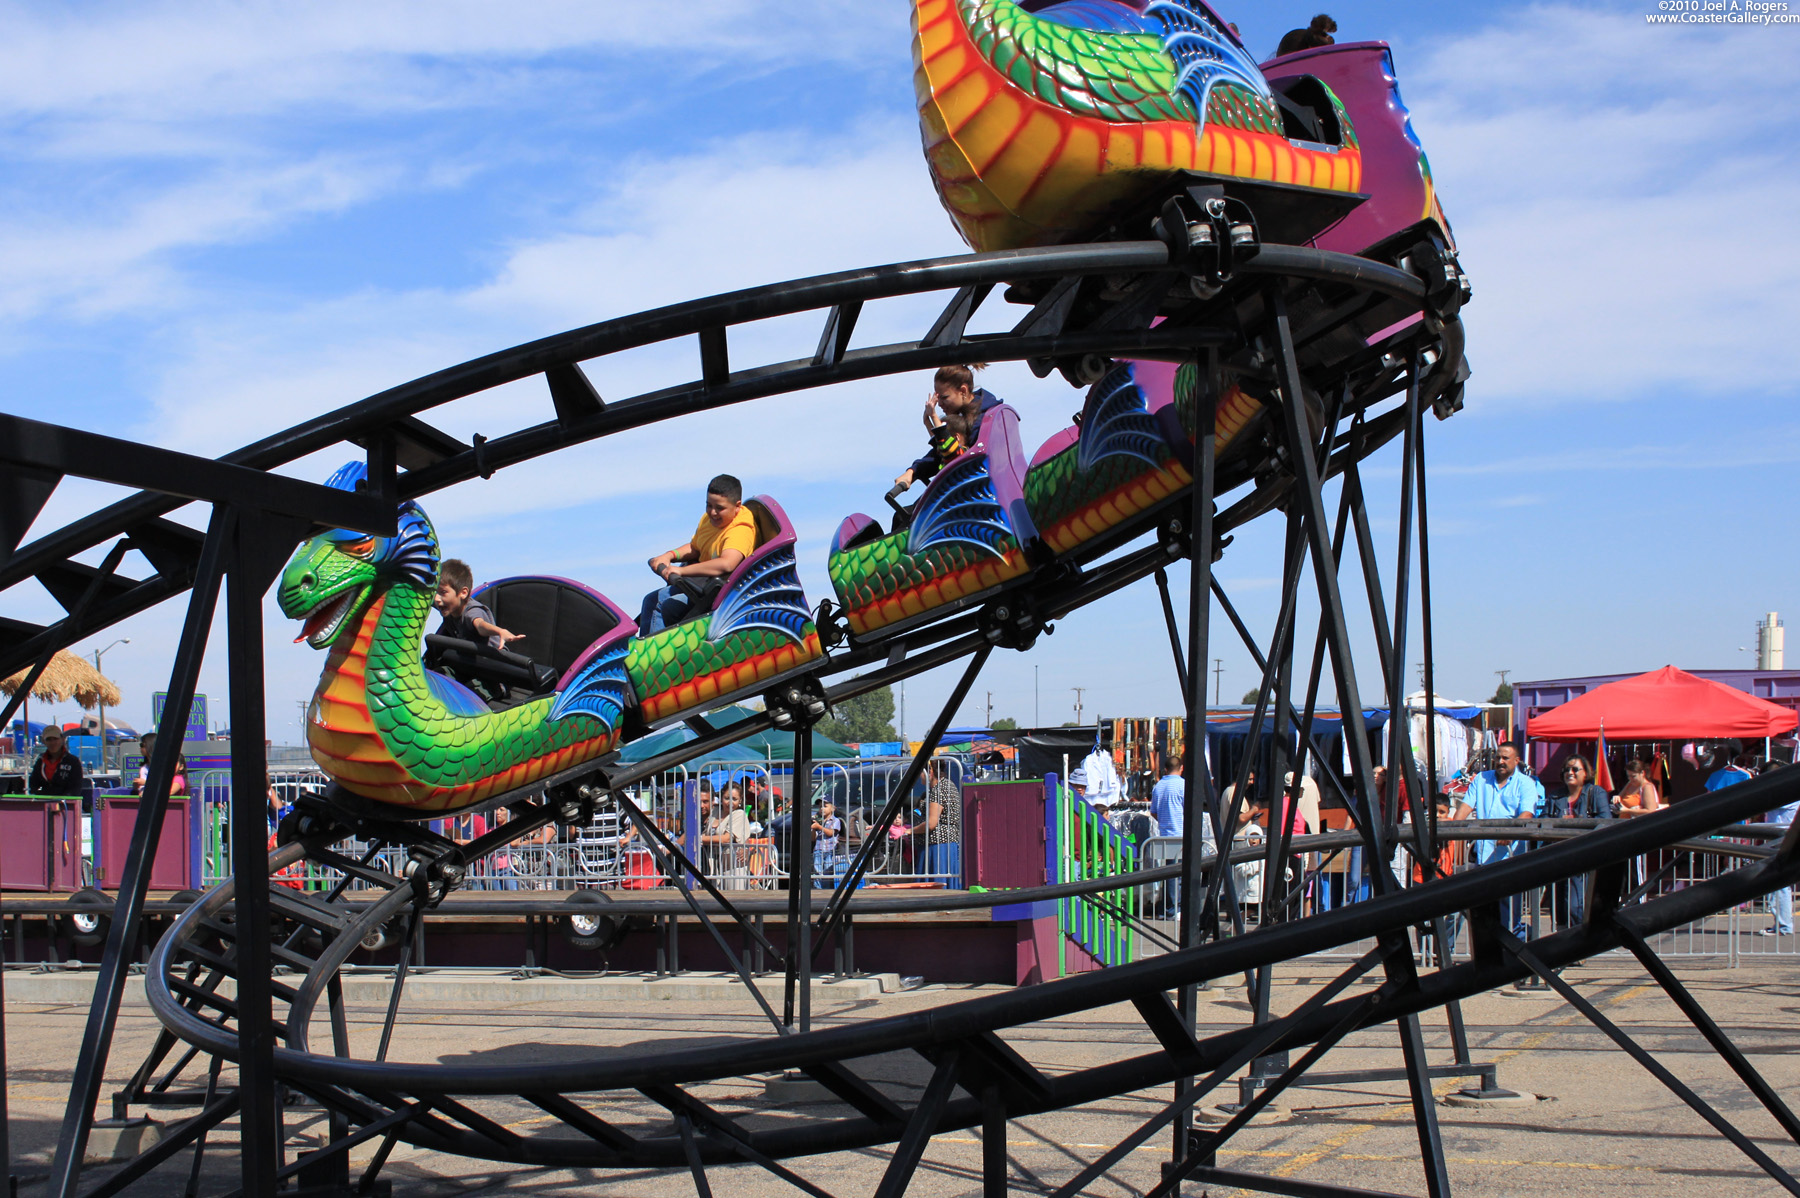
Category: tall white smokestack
[1769,643]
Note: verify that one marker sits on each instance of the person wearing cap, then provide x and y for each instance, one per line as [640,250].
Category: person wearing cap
[1078,782]
[56,771]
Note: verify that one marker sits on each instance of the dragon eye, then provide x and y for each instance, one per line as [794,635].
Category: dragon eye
[363,548]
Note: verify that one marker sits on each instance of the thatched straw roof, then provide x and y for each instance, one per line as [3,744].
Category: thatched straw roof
[68,677]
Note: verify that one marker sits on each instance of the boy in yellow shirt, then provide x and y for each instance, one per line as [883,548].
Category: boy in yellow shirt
[694,573]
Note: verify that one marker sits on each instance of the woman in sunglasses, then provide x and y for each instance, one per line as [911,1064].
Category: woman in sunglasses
[1580,798]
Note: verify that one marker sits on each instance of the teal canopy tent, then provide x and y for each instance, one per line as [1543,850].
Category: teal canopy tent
[761,746]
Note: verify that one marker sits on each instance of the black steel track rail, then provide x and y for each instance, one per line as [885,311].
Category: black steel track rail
[388,426]
[975,1024]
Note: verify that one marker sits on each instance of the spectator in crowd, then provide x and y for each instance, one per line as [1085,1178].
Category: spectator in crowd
[1504,792]
[1168,799]
[827,828]
[1078,783]
[695,572]
[1580,798]
[538,868]
[1250,802]
[943,826]
[1781,902]
[1448,853]
[500,862]
[56,771]
[780,826]
[1168,806]
[177,784]
[1358,876]
[276,806]
[1741,769]
[726,827]
[1638,796]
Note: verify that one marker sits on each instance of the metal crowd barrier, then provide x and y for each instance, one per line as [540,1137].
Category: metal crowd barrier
[608,853]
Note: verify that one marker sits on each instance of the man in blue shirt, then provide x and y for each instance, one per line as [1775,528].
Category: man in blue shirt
[1168,800]
[1168,807]
[1504,792]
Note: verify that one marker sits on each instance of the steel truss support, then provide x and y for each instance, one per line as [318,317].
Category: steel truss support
[1517,949]
[1703,1023]
[109,987]
[800,881]
[246,543]
[839,903]
[1200,806]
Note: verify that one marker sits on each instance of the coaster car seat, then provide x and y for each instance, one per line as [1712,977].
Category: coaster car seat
[967,538]
[757,628]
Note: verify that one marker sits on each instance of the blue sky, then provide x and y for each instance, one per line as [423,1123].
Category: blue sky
[217,220]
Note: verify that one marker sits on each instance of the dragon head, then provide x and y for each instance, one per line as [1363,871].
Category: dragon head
[332,578]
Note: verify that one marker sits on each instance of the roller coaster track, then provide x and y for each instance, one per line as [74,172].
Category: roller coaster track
[1349,334]
[439,1107]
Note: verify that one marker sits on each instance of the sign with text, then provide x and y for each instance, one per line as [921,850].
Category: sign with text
[196,716]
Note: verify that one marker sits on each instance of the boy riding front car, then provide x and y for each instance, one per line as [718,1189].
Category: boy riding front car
[694,573]
[466,619]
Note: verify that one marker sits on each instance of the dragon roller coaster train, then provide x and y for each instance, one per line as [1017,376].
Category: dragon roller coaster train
[1246,272]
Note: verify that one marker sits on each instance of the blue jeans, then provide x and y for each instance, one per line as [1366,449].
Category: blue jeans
[1781,902]
[943,862]
[828,868]
[502,878]
[662,607]
[1487,851]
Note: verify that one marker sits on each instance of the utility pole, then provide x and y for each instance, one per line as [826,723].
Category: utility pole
[988,720]
[1078,690]
[1036,719]
[1218,672]
[1503,674]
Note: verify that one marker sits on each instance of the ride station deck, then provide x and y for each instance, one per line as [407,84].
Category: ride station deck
[1014,944]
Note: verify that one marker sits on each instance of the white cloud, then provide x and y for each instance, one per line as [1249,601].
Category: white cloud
[1623,212]
[182,60]
[93,264]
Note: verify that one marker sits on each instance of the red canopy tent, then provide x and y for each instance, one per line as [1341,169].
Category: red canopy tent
[1665,704]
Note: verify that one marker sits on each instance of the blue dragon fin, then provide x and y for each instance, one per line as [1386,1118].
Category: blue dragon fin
[1205,53]
[602,689]
[413,549]
[1116,422]
[767,596]
[960,508]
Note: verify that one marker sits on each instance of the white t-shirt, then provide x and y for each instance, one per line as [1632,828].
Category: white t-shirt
[1103,788]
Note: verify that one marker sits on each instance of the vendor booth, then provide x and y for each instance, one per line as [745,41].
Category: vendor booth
[1689,721]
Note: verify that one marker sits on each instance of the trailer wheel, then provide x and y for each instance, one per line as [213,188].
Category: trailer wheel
[89,917]
[588,925]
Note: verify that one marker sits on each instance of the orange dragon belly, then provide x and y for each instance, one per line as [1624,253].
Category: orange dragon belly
[1014,170]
